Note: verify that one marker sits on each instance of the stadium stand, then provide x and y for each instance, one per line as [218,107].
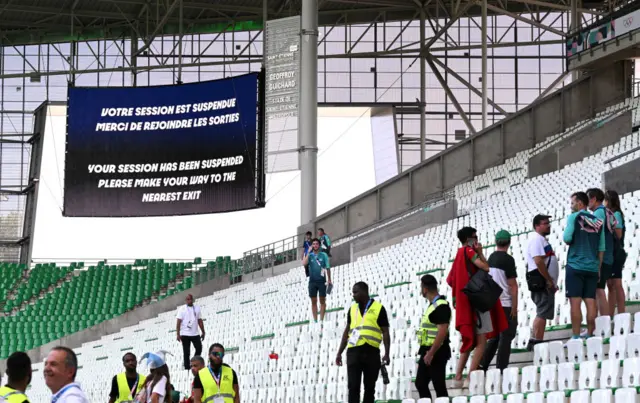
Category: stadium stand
[253,319]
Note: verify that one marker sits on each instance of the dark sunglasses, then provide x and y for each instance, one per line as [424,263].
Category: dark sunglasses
[216,354]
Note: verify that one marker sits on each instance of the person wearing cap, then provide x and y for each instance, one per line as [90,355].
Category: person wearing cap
[542,276]
[157,387]
[19,378]
[502,268]
[126,384]
[217,383]
[433,338]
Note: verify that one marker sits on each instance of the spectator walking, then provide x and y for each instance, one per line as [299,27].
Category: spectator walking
[475,327]
[585,236]
[433,338]
[306,246]
[217,383]
[188,320]
[596,205]
[157,386]
[367,327]
[542,277]
[319,278]
[19,378]
[616,289]
[325,242]
[127,384]
[502,268]
[60,369]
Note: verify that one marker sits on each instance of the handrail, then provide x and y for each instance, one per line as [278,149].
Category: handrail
[431,199]
[624,154]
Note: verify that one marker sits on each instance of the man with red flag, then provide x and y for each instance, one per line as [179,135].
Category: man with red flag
[474,327]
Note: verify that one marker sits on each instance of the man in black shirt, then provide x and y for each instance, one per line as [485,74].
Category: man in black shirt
[133,379]
[19,378]
[367,326]
[434,341]
[503,271]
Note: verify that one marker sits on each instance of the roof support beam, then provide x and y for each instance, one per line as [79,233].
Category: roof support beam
[525,20]
[449,93]
[156,31]
[468,84]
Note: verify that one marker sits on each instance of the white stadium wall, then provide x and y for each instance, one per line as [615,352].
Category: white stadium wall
[345,169]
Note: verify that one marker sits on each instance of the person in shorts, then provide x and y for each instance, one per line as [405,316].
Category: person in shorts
[319,277]
[596,205]
[542,263]
[616,288]
[584,233]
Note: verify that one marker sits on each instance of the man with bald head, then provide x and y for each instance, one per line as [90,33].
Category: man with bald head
[60,369]
[188,321]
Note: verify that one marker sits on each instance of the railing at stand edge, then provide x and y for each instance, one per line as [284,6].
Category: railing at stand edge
[273,254]
[287,250]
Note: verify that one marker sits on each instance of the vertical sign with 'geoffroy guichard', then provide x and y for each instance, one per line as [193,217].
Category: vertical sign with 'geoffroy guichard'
[282,69]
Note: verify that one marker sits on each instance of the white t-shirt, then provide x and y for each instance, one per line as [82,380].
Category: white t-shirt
[189,315]
[72,394]
[160,388]
[539,246]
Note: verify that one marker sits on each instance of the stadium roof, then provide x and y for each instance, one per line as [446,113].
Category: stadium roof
[48,21]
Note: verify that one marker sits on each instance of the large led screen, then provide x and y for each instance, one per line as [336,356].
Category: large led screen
[164,150]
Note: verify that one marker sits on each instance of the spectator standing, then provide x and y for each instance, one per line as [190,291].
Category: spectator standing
[60,369]
[188,320]
[367,327]
[616,290]
[502,268]
[596,205]
[585,236]
[475,327]
[127,384]
[217,383]
[325,242]
[19,378]
[306,246]
[319,278]
[433,338]
[197,363]
[157,386]
[542,277]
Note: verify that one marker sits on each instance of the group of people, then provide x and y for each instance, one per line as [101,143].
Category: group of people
[60,368]
[594,233]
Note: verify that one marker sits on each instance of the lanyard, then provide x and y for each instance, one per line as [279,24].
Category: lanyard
[193,311]
[366,309]
[216,378]
[315,257]
[135,386]
[436,299]
[58,395]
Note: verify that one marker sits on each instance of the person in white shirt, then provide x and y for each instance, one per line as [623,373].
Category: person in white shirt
[542,277]
[60,369]
[188,321]
[157,386]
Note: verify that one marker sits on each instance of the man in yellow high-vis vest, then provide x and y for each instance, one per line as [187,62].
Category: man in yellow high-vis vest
[217,383]
[367,327]
[433,337]
[127,384]
[19,374]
